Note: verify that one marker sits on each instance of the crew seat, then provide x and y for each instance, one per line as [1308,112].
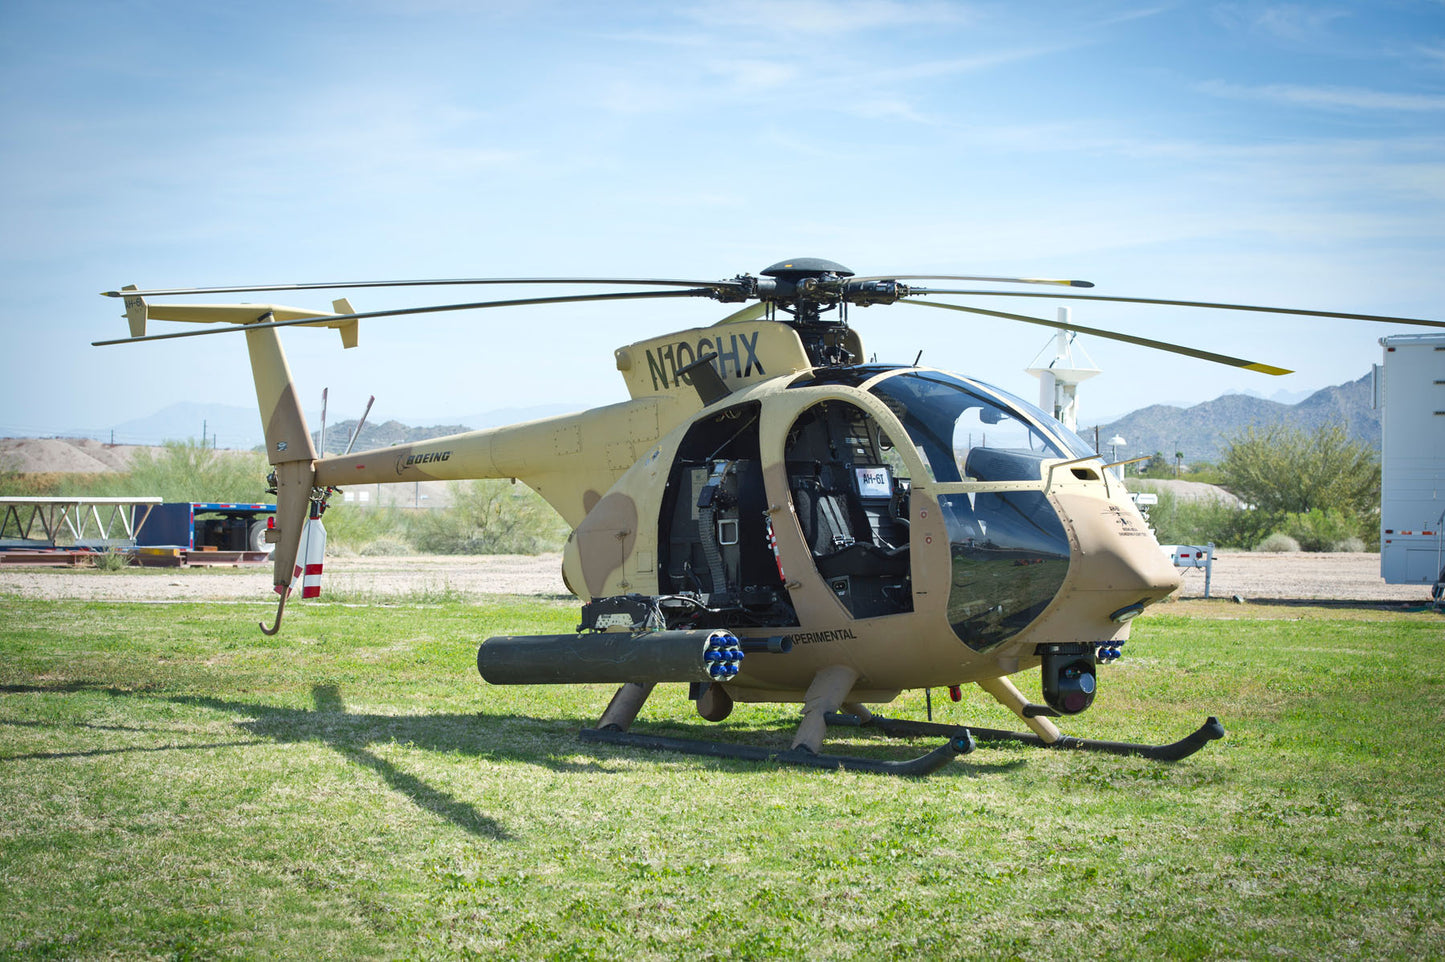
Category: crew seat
[839,533]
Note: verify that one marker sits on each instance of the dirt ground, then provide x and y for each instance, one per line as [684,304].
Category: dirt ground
[1276,577]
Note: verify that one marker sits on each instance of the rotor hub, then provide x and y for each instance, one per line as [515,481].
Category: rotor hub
[807,288]
[801,267]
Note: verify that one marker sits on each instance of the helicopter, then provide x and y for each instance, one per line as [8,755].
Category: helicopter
[771,518]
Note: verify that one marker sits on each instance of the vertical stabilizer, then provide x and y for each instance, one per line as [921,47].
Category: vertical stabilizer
[348,328]
[288,447]
[135,313]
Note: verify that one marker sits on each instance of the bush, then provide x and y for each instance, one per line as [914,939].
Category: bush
[489,517]
[1278,542]
[179,471]
[1321,530]
[1183,521]
[187,471]
[354,526]
[112,560]
[486,517]
[385,548]
[1353,545]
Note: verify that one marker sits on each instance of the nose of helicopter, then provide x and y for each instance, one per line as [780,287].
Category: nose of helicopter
[1117,561]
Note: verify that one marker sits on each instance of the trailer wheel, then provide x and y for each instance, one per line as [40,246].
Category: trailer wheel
[257,537]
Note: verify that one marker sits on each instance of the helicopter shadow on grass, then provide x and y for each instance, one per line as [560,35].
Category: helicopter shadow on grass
[548,742]
[351,735]
[873,745]
[1343,604]
[78,686]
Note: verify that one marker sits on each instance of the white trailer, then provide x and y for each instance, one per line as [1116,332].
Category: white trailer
[1410,390]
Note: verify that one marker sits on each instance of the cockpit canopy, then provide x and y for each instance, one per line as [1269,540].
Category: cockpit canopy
[966,431]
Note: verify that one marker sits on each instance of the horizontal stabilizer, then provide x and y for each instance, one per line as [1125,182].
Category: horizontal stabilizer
[138,311]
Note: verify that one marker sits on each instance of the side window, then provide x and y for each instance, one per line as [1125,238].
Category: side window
[962,434]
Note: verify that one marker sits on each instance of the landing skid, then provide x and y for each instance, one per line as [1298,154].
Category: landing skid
[1171,752]
[959,743]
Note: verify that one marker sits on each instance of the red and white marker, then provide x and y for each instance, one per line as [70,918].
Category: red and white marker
[309,559]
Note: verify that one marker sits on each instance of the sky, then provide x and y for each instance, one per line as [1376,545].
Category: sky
[1285,154]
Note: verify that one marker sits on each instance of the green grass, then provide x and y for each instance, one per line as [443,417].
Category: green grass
[174,784]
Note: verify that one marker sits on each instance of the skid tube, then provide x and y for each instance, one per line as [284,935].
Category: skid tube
[1172,752]
[960,742]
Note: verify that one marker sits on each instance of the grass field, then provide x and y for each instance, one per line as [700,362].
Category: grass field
[174,784]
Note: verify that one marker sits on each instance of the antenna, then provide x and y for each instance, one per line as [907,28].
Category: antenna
[322,439]
[1059,379]
[352,442]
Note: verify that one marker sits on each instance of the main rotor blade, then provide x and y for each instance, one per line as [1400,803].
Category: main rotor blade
[1208,304]
[731,285]
[969,277]
[399,312]
[1127,338]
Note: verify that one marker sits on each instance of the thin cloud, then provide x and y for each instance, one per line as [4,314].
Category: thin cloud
[801,18]
[1435,54]
[1291,22]
[1325,97]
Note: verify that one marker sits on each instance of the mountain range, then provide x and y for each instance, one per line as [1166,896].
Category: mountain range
[236,427]
[1202,432]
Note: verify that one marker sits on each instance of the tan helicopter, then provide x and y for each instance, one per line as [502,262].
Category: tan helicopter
[771,520]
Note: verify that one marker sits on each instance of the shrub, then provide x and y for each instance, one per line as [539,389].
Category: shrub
[1278,542]
[188,471]
[1321,530]
[354,526]
[385,547]
[1181,521]
[178,471]
[489,517]
[111,560]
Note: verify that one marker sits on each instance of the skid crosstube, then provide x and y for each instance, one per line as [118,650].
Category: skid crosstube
[959,743]
[1172,752]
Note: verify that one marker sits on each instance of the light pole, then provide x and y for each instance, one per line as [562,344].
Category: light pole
[1114,444]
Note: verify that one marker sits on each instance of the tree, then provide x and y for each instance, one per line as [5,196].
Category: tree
[1287,474]
[1156,467]
[490,517]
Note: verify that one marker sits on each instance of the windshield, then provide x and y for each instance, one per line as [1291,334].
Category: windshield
[1009,556]
[971,432]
